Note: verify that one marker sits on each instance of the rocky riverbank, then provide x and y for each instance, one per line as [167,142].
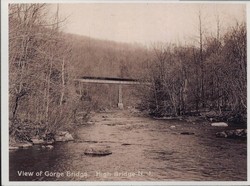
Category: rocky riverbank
[233,130]
[210,116]
[45,142]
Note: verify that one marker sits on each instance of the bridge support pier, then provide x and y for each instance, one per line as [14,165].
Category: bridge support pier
[120,104]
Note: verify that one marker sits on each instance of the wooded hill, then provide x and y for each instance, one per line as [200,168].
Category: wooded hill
[100,58]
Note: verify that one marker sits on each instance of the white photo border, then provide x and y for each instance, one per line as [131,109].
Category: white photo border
[5,102]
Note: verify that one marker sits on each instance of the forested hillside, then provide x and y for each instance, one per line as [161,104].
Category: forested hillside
[100,58]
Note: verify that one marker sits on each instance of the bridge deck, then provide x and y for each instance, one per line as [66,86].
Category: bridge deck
[108,80]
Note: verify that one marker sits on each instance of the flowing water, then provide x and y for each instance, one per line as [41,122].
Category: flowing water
[143,149]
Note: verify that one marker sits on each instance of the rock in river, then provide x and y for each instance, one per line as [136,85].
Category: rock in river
[237,133]
[63,136]
[23,145]
[219,124]
[97,151]
[37,141]
[47,147]
[13,148]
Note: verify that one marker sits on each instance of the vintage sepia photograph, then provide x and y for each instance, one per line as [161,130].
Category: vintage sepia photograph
[127,91]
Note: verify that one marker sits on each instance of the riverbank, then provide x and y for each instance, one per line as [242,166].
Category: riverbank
[210,117]
[45,142]
[232,129]
[207,118]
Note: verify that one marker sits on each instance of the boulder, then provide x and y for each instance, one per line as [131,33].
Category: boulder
[241,132]
[237,133]
[172,126]
[13,148]
[63,136]
[20,145]
[219,124]
[49,142]
[47,147]
[221,134]
[97,151]
[37,141]
[24,145]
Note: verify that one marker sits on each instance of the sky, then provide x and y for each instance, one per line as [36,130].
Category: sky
[148,23]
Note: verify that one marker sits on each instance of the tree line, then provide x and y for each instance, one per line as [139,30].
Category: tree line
[42,96]
[212,76]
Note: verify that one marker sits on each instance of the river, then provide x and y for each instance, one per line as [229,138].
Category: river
[143,149]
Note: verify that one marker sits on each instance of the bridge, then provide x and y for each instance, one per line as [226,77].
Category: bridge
[109,80]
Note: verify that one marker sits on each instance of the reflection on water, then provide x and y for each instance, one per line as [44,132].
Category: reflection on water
[142,149]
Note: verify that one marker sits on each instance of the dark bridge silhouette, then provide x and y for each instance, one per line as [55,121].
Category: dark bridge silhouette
[108,80]
[111,80]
